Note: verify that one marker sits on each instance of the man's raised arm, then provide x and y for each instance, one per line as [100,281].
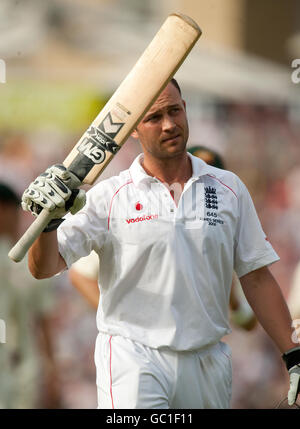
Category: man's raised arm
[44,259]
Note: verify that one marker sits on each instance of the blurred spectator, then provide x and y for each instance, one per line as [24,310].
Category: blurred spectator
[208,155]
[16,160]
[28,372]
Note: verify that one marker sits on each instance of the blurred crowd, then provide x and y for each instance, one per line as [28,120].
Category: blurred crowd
[258,143]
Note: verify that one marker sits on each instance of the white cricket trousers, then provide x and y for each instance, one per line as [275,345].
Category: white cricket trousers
[131,375]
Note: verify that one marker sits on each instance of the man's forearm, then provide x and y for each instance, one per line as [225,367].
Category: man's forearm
[44,259]
[265,297]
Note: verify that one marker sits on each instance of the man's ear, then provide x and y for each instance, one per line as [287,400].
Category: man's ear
[135,134]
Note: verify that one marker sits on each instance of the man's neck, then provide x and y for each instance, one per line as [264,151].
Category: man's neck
[174,172]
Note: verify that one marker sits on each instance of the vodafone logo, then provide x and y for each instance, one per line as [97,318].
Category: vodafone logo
[138,206]
[142,218]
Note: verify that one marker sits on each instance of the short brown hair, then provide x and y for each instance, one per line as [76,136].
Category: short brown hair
[175,83]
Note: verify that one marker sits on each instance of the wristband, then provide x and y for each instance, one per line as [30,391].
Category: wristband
[53,225]
[292,357]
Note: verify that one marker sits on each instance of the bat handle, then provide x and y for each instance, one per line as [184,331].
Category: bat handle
[20,249]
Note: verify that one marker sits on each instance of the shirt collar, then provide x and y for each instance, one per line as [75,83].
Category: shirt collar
[139,175]
[199,167]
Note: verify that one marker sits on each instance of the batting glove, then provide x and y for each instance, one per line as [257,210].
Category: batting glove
[292,361]
[54,190]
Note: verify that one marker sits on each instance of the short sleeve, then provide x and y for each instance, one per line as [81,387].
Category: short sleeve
[252,248]
[85,231]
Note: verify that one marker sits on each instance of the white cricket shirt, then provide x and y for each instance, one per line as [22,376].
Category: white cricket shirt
[166,271]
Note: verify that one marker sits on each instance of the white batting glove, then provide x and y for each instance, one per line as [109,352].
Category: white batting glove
[54,190]
[294,384]
[292,361]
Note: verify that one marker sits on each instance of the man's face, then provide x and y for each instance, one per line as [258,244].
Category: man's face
[163,132]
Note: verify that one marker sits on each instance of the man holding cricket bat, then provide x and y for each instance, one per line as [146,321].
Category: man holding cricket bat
[169,231]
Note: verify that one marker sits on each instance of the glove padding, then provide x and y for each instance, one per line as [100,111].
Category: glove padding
[292,361]
[54,190]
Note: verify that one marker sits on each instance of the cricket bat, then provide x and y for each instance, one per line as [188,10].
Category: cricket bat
[123,111]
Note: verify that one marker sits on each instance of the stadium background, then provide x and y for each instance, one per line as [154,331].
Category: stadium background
[63,61]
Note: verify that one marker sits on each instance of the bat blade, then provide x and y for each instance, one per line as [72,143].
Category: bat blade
[124,110]
[133,98]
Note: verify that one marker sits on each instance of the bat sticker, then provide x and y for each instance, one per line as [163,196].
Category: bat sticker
[96,142]
[100,139]
[109,127]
